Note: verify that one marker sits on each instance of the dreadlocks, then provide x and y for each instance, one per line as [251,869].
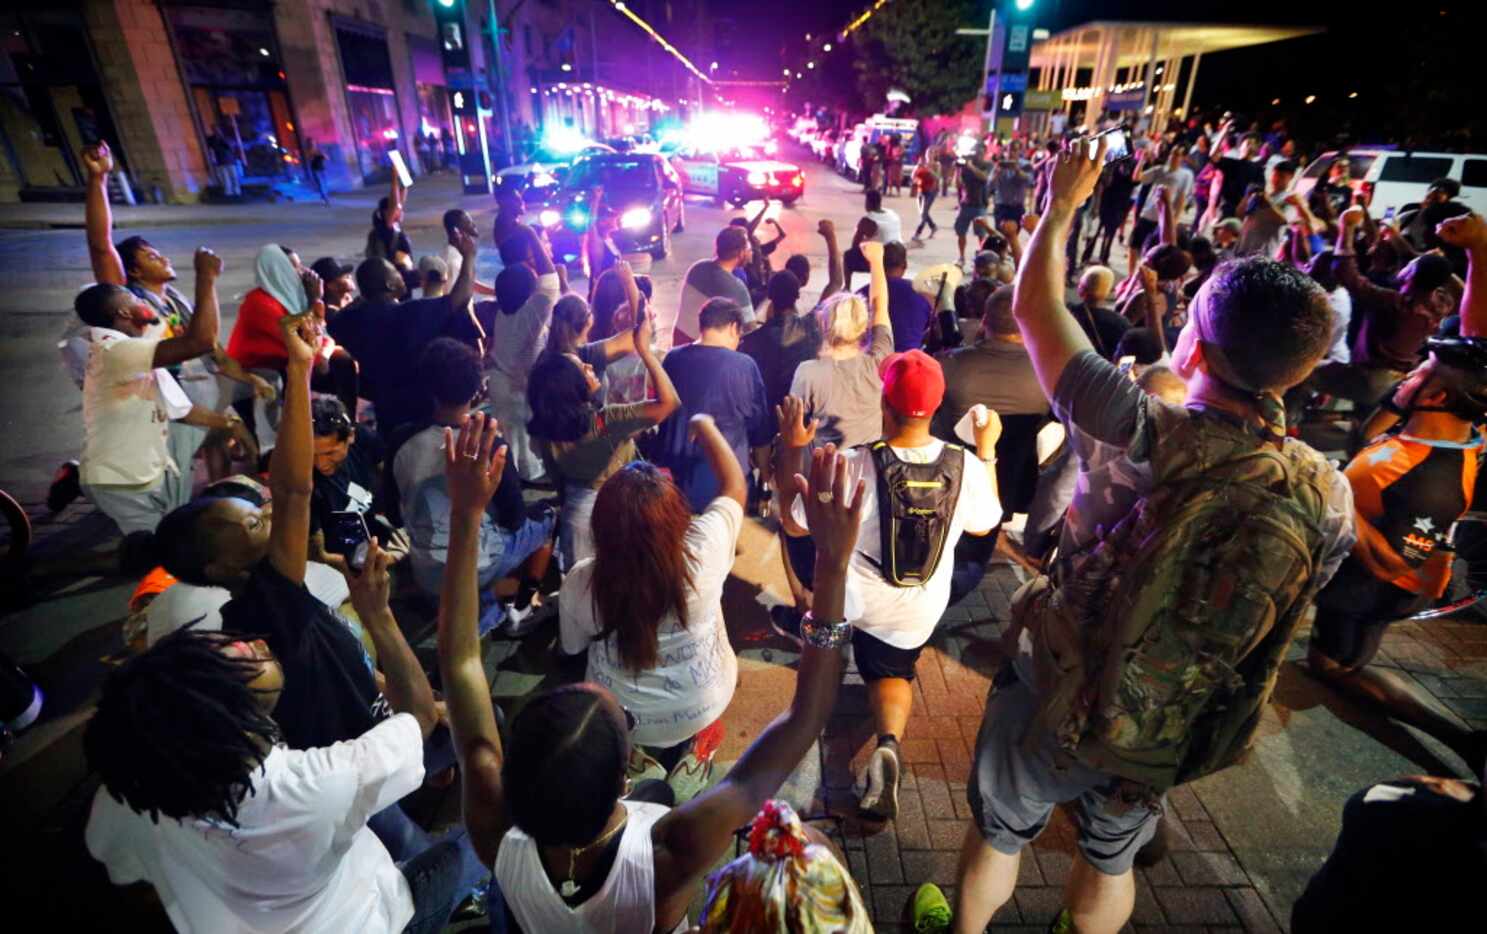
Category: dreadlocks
[178,730]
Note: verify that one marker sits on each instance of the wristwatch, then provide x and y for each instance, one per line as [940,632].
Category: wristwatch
[825,634]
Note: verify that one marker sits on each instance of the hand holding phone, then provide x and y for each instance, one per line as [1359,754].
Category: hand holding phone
[347,536]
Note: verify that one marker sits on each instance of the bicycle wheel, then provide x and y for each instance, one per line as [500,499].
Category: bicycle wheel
[1468,587]
[15,531]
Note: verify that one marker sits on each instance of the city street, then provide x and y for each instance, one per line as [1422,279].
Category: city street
[1244,840]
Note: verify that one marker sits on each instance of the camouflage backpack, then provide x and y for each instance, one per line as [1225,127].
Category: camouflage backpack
[1160,642]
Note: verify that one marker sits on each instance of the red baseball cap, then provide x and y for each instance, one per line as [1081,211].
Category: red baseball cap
[913,383]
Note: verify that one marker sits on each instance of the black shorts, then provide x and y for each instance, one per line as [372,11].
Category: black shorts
[1008,212]
[877,659]
[1353,611]
[1141,231]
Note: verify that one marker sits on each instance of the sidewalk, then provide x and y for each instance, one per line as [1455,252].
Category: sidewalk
[427,200]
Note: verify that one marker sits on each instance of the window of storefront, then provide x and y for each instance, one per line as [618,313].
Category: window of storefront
[370,97]
[231,63]
[51,104]
[434,118]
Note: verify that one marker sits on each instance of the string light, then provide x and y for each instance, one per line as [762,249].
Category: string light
[661,40]
[850,28]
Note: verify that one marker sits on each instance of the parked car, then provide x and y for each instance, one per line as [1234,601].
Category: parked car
[1398,179]
[642,193]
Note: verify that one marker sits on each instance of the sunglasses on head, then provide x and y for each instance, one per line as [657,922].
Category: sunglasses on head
[336,424]
[630,721]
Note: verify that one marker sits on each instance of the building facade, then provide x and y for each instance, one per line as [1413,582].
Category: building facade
[202,98]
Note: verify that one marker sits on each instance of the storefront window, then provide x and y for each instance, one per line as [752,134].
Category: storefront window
[230,61]
[434,117]
[51,105]
[370,97]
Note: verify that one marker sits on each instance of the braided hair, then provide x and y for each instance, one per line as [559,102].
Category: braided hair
[179,731]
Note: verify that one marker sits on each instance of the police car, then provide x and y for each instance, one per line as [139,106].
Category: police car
[739,177]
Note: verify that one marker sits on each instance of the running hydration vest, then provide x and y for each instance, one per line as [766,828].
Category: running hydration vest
[915,505]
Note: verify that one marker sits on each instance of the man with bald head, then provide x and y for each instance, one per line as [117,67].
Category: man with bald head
[386,334]
[1101,324]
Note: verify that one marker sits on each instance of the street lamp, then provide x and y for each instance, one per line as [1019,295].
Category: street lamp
[826,47]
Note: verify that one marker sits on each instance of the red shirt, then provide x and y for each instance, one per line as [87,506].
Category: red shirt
[255,341]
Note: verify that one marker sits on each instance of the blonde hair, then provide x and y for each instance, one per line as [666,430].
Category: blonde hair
[843,319]
[1097,283]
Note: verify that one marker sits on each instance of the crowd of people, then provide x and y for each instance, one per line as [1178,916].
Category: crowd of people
[519,450]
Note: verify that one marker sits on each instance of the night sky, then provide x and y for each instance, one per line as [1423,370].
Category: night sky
[1362,51]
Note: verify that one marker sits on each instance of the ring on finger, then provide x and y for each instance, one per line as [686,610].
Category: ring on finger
[825,496]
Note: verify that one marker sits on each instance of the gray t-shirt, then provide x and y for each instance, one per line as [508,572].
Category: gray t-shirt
[706,279]
[996,373]
[1010,182]
[845,395]
[1179,181]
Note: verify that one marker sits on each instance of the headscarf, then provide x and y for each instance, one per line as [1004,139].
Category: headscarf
[274,273]
[784,883]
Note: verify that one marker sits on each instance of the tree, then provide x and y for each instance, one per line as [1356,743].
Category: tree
[912,45]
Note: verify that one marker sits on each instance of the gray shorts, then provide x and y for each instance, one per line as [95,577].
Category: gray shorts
[1012,791]
[140,509]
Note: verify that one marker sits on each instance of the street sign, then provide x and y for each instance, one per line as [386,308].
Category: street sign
[1041,99]
[1017,39]
[1125,100]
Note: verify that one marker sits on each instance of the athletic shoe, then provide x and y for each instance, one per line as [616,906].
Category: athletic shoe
[931,910]
[65,487]
[786,621]
[880,784]
[690,777]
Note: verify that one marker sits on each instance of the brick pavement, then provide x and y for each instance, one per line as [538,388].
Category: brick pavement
[1200,886]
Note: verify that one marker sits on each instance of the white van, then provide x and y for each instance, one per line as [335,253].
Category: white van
[1398,179]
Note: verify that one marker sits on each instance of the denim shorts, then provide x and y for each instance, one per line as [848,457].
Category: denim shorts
[966,216]
[1012,791]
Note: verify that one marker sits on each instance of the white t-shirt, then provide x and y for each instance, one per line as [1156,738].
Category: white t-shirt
[696,673]
[890,228]
[1341,302]
[454,262]
[516,339]
[1179,181]
[905,617]
[181,603]
[302,857]
[127,405]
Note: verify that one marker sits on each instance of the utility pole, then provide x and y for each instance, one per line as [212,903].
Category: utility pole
[498,65]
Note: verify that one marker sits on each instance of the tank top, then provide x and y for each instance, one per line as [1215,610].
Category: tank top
[625,904]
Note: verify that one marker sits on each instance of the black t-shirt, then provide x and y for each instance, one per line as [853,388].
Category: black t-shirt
[1239,174]
[386,339]
[784,342]
[972,186]
[1407,859]
[1102,326]
[329,694]
[353,486]
[1115,200]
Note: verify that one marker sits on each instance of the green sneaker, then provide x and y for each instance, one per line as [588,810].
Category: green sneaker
[931,911]
[1063,924]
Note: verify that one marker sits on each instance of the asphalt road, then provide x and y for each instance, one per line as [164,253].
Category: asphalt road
[40,408]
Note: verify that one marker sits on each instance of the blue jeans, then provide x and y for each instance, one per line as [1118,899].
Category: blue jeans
[406,841]
[434,877]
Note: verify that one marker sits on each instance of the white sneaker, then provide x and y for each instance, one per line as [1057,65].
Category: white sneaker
[880,784]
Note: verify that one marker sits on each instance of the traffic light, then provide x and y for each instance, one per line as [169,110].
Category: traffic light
[450,16]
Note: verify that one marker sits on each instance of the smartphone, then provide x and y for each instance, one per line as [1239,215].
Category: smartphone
[1388,215]
[346,535]
[1115,147]
[1126,362]
[405,178]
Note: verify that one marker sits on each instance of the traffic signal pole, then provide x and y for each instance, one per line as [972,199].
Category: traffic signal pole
[498,65]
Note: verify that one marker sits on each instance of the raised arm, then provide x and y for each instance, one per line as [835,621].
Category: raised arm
[1469,232]
[404,683]
[1156,306]
[201,332]
[1052,335]
[659,409]
[834,277]
[691,838]
[877,284]
[290,469]
[754,224]
[472,473]
[796,435]
[1345,265]
[108,266]
[704,432]
[1166,222]
[464,284]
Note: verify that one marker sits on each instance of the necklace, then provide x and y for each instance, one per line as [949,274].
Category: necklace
[569,888]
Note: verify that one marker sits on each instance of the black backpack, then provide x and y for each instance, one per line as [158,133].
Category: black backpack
[915,505]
